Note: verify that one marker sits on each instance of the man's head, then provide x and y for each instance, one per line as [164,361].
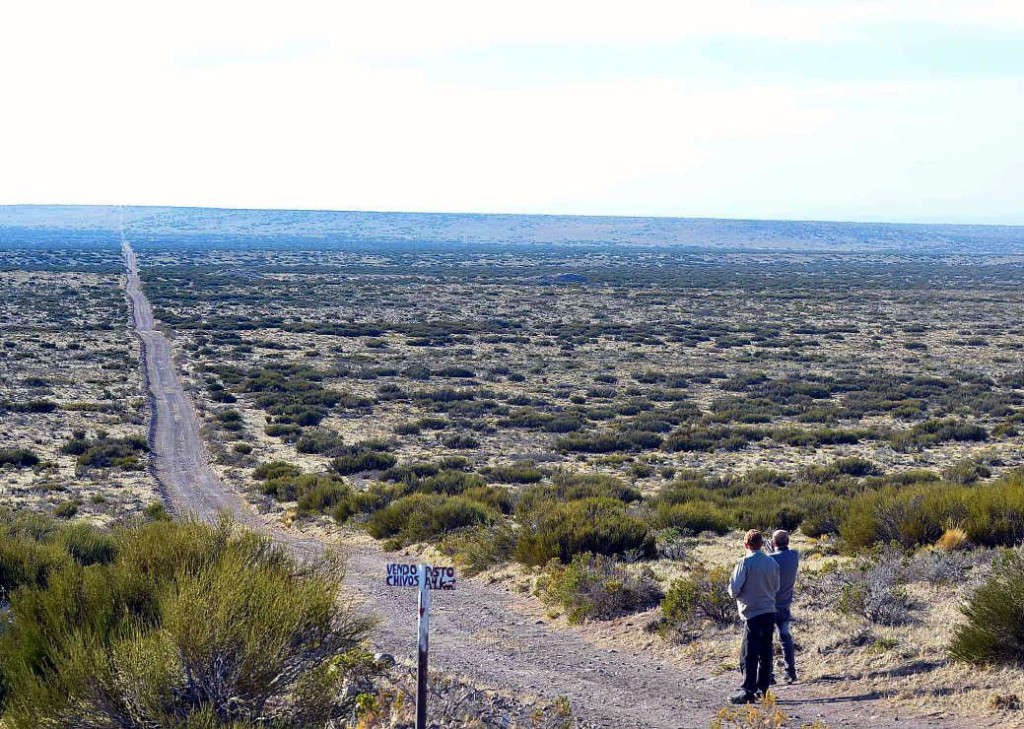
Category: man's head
[753,540]
[780,538]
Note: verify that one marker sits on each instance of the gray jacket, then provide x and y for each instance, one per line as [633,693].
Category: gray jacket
[754,584]
[789,562]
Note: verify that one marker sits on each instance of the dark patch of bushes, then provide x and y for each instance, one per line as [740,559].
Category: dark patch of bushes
[18,458]
[932,432]
[106,452]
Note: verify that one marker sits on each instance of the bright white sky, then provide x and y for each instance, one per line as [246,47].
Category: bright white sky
[902,110]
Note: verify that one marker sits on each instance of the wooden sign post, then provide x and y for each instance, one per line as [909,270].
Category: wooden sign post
[425,578]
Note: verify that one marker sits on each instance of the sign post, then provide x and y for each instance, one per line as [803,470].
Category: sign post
[425,578]
[423,626]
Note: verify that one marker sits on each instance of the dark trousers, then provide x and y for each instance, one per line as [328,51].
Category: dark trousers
[756,653]
[786,638]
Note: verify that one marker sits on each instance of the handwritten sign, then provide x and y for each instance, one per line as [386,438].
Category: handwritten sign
[408,575]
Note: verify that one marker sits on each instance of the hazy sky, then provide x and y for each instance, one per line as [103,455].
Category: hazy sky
[902,110]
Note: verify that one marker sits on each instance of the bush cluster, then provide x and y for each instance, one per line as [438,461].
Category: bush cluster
[107,452]
[18,458]
[596,587]
[991,514]
[171,624]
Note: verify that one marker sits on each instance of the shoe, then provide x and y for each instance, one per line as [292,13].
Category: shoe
[743,697]
[790,677]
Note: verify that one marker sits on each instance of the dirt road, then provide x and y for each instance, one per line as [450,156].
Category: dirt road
[482,633]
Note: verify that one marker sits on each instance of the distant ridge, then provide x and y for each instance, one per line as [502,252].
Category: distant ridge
[338,228]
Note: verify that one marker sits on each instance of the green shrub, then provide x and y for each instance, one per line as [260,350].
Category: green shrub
[597,525]
[276,469]
[703,595]
[450,482]
[157,511]
[522,472]
[314,493]
[567,486]
[932,432]
[322,495]
[184,624]
[361,459]
[423,517]
[87,545]
[594,587]
[692,517]
[460,441]
[66,509]
[994,628]
[18,458]
[319,441]
[478,548]
[105,452]
[992,514]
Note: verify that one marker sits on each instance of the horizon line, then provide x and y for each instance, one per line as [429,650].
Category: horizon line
[603,216]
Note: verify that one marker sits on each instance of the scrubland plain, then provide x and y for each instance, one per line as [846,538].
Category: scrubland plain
[589,425]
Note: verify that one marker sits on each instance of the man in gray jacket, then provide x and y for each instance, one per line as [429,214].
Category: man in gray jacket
[789,563]
[754,585]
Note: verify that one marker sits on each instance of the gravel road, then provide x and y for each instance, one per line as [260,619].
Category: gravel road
[482,633]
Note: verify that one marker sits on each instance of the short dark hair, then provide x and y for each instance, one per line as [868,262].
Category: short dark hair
[754,540]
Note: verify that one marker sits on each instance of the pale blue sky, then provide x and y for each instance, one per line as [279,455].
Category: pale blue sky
[902,110]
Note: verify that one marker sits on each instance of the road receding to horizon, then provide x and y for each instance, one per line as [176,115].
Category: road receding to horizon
[481,633]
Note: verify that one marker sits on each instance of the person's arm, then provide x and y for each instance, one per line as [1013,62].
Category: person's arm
[739,576]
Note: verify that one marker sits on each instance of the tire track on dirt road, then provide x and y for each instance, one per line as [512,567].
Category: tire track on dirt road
[481,633]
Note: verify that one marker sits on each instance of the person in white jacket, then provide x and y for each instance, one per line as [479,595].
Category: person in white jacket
[754,585]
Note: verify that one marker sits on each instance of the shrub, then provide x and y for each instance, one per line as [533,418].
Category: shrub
[450,482]
[523,472]
[87,545]
[66,509]
[314,493]
[319,441]
[156,511]
[908,516]
[185,624]
[994,628]
[703,595]
[872,590]
[692,517]
[594,587]
[18,458]
[479,548]
[965,472]
[460,441]
[598,525]
[321,495]
[991,514]
[363,461]
[105,452]
[422,517]
[932,432]
[276,469]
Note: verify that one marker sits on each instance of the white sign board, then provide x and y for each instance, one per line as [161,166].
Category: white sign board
[408,575]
